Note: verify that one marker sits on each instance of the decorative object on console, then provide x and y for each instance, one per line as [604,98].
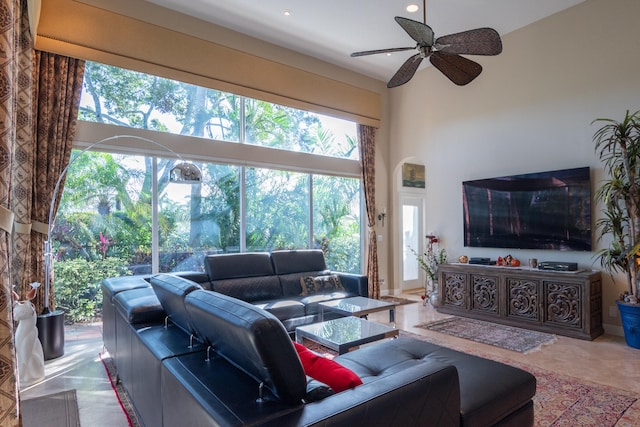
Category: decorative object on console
[508,261]
[443,52]
[429,262]
[618,145]
[52,322]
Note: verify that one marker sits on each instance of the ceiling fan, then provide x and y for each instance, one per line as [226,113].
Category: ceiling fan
[443,52]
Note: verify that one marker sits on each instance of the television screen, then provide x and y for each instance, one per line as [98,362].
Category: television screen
[545,210]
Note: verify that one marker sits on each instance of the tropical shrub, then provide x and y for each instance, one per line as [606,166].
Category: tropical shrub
[77,283]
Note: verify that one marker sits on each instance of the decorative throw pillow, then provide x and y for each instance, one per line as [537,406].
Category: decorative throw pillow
[308,285]
[313,285]
[326,370]
[328,283]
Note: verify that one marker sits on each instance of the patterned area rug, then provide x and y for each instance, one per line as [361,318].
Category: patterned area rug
[560,400]
[118,388]
[508,337]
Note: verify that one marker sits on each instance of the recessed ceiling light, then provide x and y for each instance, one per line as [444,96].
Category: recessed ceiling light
[412,8]
[287,12]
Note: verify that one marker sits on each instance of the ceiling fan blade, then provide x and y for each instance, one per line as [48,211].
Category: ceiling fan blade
[406,71]
[422,33]
[458,69]
[374,52]
[481,41]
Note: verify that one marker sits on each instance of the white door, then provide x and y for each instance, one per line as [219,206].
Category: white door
[412,238]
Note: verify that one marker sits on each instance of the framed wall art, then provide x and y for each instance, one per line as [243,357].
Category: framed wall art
[413,175]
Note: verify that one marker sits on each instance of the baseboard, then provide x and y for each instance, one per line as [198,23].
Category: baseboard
[613,329]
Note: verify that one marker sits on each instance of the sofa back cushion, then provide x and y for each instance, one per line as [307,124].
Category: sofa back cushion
[298,261]
[234,266]
[251,339]
[290,266]
[246,276]
[171,291]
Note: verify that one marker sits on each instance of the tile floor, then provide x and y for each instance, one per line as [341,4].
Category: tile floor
[606,360]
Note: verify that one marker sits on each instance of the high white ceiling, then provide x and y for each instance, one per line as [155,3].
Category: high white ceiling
[331,29]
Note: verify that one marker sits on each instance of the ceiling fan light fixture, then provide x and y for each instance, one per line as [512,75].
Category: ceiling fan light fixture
[412,8]
[443,52]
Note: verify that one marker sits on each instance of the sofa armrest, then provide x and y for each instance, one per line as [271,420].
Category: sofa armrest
[356,283]
[423,394]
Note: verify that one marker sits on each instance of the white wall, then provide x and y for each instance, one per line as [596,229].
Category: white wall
[530,110]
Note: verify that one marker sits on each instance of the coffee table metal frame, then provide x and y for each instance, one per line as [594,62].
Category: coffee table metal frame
[345,333]
[357,306]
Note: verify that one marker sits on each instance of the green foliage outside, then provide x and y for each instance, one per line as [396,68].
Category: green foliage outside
[103,226]
[78,285]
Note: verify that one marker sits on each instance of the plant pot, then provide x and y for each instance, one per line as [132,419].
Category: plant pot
[630,316]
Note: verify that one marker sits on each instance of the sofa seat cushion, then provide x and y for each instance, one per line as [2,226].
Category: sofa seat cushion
[114,285]
[311,302]
[489,391]
[139,306]
[213,393]
[282,309]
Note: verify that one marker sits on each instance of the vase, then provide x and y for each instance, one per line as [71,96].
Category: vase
[434,298]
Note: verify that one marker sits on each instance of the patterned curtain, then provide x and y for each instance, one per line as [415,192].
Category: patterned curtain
[367,147]
[10,45]
[58,86]
[22,173]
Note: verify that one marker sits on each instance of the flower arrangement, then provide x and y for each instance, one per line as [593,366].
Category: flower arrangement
[433,257]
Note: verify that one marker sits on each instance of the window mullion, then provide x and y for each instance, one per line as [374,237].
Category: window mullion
[310,243]
[155,244]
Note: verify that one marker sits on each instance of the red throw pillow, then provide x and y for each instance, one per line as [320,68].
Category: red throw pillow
[326,370]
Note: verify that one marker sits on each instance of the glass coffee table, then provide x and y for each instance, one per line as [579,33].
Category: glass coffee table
[345,333]
[357,306]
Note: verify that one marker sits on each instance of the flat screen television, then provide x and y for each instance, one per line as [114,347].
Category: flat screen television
[545,210]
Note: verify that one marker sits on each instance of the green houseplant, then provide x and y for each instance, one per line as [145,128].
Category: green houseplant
[617,143]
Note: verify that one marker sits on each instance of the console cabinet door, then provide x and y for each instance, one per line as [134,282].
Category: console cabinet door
[524,302]
[485,294]
[563,304]
[455,290]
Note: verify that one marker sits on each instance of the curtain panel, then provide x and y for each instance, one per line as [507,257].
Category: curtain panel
[11,44]
[367,147]
[58,86]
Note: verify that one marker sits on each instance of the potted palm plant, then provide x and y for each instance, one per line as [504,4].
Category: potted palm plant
[618,146]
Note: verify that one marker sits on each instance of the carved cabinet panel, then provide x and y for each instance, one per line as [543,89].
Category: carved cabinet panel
[523,299]
[484,293]
[566,303]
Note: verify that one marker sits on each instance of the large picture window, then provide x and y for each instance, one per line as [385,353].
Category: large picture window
[118,209]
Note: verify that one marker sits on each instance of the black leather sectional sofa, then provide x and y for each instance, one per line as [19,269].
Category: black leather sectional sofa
[189,356]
